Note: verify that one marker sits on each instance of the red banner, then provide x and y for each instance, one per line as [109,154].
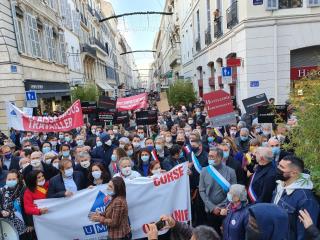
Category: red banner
[132,103]
[218,103]
[69,120]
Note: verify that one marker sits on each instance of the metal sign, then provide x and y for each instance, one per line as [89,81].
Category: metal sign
[254,83]
[31,97]
[226,75]
[257,2]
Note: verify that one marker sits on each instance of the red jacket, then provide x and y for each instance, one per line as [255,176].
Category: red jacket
[29,197]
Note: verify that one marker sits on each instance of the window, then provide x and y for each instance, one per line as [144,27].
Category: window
[272,4]
[313,3]
[290,4]
[62,49]
[52,4]
[50,43]
[76,22]
[33,36]
[198,24]
[208,14]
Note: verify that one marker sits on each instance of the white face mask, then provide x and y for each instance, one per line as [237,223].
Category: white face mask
[85,164]
[25,165]
[108,143]
[156,172]
[35,163]
[56,165]
[48,161]
[42,183]
[96,174]
[126,171]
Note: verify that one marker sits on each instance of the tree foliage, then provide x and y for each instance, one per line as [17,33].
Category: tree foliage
[305,136]
[87,92]
[181,92]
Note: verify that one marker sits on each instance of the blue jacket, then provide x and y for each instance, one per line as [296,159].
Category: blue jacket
[298,196]
[170,163]
[272,221]
[234,225]
[57,188]
[103,154]
[264,182]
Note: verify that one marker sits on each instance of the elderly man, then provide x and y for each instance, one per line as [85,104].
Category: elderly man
[243,141]
[263,181]
[84,161]
[215,181]
[162,151]
[278,153]
[9,161]
[37,163]
[126,171]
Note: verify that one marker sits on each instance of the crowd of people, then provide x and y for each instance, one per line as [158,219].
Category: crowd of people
[243,184]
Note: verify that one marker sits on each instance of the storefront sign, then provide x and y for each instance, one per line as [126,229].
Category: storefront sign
[69,120]
[257,2]
[146,117]
[220,108]
[272,114]
[132,103]
[301,72]
[47,89]
[234,62]
[251,104]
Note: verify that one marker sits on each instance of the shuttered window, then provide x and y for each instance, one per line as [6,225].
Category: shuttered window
[272,4]
[33,36]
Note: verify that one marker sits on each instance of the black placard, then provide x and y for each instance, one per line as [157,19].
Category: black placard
[146,117]
[106,102]
[251,104]
[89,107]
[121,118]
[272,114]
[106,116]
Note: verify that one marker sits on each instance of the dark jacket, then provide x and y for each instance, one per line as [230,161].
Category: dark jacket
[272,221]
[264,182]
[170,162]
[312,233]
[14,163]
[103,154]
[243,146]
[3,177]
[57,188]
[234,225]
[84,171]
[48,171]
[166,154]
[206,145]
[236,166]
[195,176]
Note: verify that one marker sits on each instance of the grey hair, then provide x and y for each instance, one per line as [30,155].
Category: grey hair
[240,191]
[266,153]
[218,151]
[124,159]
[245,130]
[205,233]
[124,139]
[273,139]
[84,154]
[242,124]
[159,138]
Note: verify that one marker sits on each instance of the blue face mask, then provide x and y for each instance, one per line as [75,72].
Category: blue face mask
[80,143]
[212,162]
[130,153]
[8,155]
[195,149]
[210,139]
[11,183]
[229,197]
[181,155]
[67,139]
[150,148]
[145,158]
[244,138]
[46,150]
[65,153]
[113,157]
[158,147]
[276,150]
[264,144]
[226,154]
[141,136]
[109,192]
[99,144]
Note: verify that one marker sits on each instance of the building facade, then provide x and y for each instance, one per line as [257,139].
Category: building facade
[268,44]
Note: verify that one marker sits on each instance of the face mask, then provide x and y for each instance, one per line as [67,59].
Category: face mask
[85,164]
[136,145]
[93,131]
[99,144]
[97,134]
[41,183]
[108,143]
[158,147]
[229,197]
[226,154]
[109,192]
[233,133]
[53,143]
[179,114]
[61,136]
[198,113]
[195,149]
[115,131]
[112,137]
[141,136]
[80,143]
[25,165]
[156,172]
[258,130]
[130,153]
[27,148]
[8,155]
[126,171]
[145,159]
[150,148]
[264,144]
[266,133]
[276,151]
[46,150]
[280,175]
[48,161]
[56,165]
[65,154]
[212,162]
[67,139]
[244,138]
[181,155]
[210,139]
[121,146]
[96,174]
[180,143]
[190,122]
[126,134]
[11,183]
[44,137]
[68,172]
[168,139]
[35,163]
[113,158]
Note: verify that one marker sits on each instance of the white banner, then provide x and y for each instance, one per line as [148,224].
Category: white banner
[148,199]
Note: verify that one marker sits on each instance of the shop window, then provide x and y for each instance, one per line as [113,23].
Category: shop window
[290,4]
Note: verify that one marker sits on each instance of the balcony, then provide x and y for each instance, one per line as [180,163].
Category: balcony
[198,44]
[207,38]
[174,57]
[218,27]
[232,15]
[86,48]
[96,42]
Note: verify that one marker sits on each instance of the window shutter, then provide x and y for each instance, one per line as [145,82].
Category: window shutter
[272,4]
[313,3]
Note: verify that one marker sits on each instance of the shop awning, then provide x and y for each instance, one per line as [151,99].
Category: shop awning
[47,89]
[105,86]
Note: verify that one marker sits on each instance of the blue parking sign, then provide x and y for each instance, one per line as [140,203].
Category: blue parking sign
[31,95]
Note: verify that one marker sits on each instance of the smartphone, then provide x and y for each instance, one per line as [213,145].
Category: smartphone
[160,224]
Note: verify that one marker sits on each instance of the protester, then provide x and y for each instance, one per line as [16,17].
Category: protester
[126,171]
[84,160]
[175,157]
[9,161]
[155,169]
[115,157]
[243,140]
[294,193]
[278,153]
[215,180]
[161,151]
[67,183]
[104,152]
[97,175]
[143,163]
[115,216]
